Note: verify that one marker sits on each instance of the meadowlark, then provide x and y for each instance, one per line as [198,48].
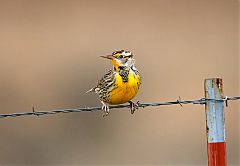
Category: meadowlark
[120,84]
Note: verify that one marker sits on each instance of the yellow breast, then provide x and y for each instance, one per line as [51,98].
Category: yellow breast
[124,91]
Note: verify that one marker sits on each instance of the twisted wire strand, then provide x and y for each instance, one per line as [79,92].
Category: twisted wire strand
[143,105]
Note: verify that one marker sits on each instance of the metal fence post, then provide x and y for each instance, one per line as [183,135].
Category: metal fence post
[215,122]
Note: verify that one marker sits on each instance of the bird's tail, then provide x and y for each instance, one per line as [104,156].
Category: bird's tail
[90,90]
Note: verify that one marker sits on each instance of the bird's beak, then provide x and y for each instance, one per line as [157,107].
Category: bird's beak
[111,57]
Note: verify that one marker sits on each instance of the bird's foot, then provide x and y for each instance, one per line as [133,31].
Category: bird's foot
[105,108]
[134,106]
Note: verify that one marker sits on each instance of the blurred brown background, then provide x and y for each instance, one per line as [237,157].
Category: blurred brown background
[49,56]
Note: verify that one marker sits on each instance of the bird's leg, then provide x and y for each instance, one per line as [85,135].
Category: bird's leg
[105,108]
[133,106]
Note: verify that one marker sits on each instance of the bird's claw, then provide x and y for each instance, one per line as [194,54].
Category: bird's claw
[105,114]
[105,108]
[134,106]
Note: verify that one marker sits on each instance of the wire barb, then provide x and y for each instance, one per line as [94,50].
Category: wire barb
[141,105]
[33,110]
[226,101]
[179,101]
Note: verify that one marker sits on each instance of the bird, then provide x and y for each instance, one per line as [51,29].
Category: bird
[120,84]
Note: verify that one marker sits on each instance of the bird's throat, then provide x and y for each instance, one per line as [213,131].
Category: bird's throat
[115,64]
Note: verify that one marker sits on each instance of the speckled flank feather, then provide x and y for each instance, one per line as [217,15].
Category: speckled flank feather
[105,85]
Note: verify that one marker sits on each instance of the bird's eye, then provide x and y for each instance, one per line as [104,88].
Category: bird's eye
[120,56]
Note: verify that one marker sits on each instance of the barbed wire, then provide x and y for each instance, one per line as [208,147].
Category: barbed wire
[143,105]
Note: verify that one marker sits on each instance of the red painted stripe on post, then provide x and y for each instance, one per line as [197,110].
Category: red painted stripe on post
[217,154]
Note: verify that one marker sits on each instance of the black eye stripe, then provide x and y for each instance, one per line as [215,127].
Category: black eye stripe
[117,52]
[129,56]
[120,56]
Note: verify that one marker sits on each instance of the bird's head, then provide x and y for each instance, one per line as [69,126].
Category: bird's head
[121,59]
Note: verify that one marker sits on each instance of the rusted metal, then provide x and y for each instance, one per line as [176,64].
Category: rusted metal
[215,122]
